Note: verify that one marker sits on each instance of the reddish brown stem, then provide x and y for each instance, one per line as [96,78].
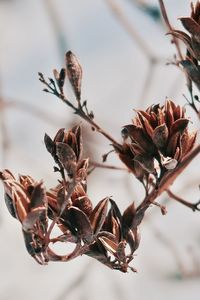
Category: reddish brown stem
[170,28]
[193,206]
[79,111]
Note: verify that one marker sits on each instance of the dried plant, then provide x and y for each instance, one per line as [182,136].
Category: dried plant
[157,146]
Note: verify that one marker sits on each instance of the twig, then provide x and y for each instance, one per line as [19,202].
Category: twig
[77,110]
[193,206]
[170,28]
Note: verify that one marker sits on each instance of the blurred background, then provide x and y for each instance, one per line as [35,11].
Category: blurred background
[123,51]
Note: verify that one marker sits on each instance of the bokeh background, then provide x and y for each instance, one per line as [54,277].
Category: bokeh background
[123,51]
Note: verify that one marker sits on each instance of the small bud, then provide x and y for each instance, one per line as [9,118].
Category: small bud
[74,73]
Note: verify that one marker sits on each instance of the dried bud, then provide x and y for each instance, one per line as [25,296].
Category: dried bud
[74,73]
[66,149]
[60,78]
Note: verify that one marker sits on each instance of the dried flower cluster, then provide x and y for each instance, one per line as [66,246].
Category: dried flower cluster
[100,232]
[157,140]
[156,148]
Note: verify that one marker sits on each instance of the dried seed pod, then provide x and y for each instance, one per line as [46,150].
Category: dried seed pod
[74,73]
[156,134]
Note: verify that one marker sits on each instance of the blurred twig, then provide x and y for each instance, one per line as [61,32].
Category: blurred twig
[31,109]
[175,41]
[193,206]
[128,26]
[150,9]
[153,59]
[76,283]
[57,27]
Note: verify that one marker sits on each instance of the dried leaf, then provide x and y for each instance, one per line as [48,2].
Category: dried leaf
[83,203]
[173,144]
[97,251]
[10,205]
[133,239]
[81,223]
[120,253]
[187,142]
[38,196]
[190,25]
[138,218]
[192,70]
[21,202]
[79,141]
[59,137]
[98,215]
[185,38]
[50,145]
[114,210]
[146,124]
[128,216]
[137,135]
[109,245]
[67,157]
[169,108]
[61,79]
[146,162]
[31,218]
[108,235]
[160,136]
[179,126]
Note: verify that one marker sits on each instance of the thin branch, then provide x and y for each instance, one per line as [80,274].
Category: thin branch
[175,41]
[193,206]
[77,110]
[94,125]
